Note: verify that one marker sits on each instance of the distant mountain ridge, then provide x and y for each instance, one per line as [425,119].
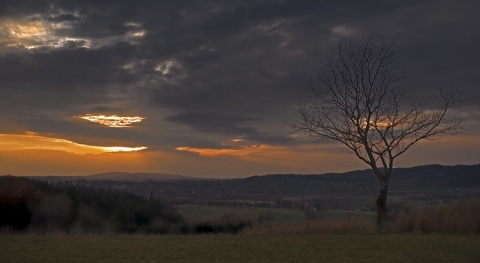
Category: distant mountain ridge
[125,176]
[415,185]
[424,176]
[418,177]
[121,176]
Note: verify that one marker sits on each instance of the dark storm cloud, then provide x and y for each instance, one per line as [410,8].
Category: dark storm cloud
[264,56]
[214,122]
[223,68]
[61,78]
[229,126]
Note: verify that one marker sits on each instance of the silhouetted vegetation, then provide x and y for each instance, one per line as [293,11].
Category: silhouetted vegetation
[230,222]
[63,207]
[214,227]
[15,197]
[330,203]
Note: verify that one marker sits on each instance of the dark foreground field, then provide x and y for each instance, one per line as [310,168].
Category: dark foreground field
[241,248]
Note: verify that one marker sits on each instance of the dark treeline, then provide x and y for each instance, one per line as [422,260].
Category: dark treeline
[31,206]
[16,199]
[63,207]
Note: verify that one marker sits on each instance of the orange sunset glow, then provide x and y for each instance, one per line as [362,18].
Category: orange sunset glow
[32,141]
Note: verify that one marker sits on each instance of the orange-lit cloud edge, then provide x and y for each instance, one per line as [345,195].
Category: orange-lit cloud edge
[113,121]
[242,151]
[331,154]
[33,141]
[236,147]
[34,32]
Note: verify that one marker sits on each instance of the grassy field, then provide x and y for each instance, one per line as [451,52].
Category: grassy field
[205,212]
[241,248]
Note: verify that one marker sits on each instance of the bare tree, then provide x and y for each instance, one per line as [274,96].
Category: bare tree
[356,101]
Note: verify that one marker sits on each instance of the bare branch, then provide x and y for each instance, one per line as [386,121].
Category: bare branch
[357,103]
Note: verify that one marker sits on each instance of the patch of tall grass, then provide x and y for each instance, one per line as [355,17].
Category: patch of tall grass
[456,217]
[459,217]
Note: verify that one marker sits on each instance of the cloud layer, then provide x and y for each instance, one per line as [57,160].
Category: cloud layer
[205,73]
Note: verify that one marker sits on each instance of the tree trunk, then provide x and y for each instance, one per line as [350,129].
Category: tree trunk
[382,213]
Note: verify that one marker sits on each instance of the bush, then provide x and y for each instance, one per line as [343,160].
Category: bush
[232,223]
[15,196]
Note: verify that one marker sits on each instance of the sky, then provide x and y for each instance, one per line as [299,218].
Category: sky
[202,88]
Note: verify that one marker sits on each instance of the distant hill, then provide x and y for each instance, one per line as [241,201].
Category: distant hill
[120,176]
[413,178]
[418,177]
[418,185]
[123,176]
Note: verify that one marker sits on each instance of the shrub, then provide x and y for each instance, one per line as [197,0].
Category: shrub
[15,196]
[231,222]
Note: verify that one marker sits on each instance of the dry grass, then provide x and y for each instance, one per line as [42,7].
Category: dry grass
[456,217]
[460,217]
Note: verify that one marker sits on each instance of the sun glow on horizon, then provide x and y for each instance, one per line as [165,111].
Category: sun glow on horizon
[32,141]
[123,149]
[113,121]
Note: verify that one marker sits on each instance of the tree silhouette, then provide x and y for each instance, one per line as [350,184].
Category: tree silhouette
[15,196]
[357,102]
